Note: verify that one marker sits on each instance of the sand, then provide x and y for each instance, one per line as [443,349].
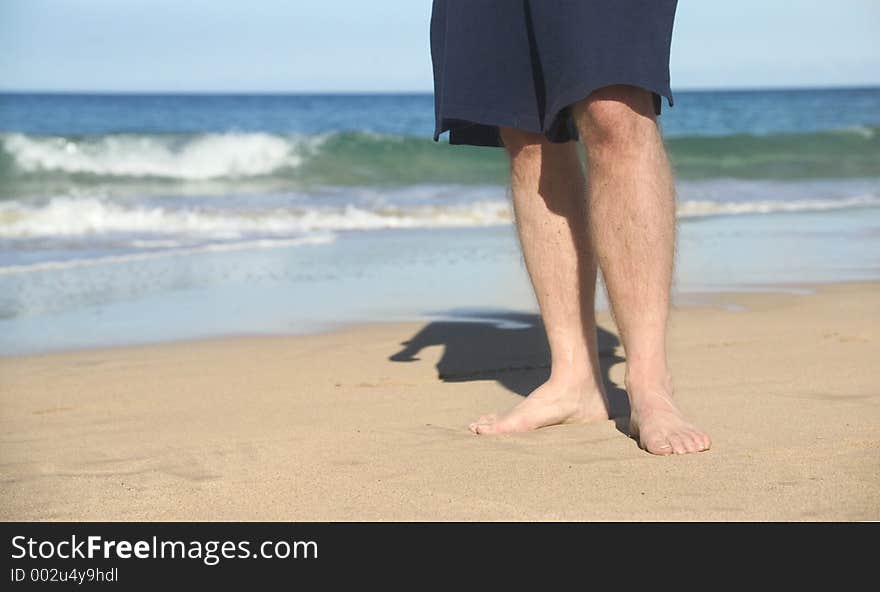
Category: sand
[352,425]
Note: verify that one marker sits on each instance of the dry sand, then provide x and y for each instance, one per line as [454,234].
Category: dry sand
[340,426]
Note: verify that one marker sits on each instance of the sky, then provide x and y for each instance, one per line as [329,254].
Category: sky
[382,46]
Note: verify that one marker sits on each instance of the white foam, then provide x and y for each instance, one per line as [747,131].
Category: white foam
[863,131]
[317,239]
[169,231]
[703,208]
[67,217]
[201,157]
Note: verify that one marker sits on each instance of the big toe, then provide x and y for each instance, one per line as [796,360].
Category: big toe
[483,423]
[486,428]
[658,445]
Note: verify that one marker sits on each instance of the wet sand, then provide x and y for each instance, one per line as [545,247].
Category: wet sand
[369,423]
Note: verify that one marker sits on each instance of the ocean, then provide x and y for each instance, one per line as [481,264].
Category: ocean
[128,218]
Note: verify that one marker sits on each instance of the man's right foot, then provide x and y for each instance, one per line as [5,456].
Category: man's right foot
[552,403]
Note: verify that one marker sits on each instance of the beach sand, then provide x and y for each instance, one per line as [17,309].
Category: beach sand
[353,425]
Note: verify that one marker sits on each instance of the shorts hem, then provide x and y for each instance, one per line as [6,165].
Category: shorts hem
[467,116]
[457,117]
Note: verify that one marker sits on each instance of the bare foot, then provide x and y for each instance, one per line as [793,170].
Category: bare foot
[659,426]
[552,403]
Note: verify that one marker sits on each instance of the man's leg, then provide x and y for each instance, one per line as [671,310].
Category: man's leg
[548,187]
[631,214]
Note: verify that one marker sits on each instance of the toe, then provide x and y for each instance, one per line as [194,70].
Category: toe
[486,428]
[690,441]
[705,441]
[678,445]
[701,442]
[484,420]
[659,446]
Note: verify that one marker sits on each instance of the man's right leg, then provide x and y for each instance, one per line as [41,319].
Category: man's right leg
[548,186]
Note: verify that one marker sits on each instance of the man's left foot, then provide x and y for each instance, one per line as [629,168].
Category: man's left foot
[659,426]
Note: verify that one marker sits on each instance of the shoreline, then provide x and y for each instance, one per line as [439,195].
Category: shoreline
[368,422]
[395,275]
[721,298]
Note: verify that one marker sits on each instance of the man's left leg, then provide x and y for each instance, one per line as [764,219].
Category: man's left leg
[632,227]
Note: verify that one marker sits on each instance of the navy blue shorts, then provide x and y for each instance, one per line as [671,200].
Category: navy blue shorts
[523,63]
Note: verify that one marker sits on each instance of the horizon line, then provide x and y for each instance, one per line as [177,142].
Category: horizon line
[696,89]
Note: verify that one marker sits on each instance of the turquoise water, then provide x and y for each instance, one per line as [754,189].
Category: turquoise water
[129,218]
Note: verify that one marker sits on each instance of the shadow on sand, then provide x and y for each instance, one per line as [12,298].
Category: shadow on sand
[510,348]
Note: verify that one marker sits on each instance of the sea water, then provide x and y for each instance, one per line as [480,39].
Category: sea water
[129,218]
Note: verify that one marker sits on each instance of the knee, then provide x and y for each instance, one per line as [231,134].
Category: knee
[614,116]
[524,148]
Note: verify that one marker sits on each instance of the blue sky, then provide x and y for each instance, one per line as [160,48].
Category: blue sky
[356,45]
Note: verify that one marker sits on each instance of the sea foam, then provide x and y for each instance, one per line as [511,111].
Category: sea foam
[95,217]
[66,216]
[196,157]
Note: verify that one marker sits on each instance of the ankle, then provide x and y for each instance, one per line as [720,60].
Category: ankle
[573,380]
[647,386]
